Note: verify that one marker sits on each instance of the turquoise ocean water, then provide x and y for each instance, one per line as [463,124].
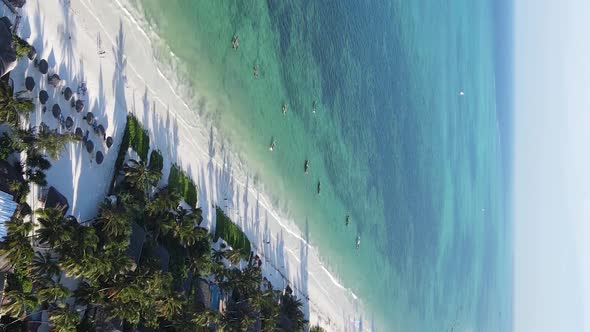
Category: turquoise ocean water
[418,167]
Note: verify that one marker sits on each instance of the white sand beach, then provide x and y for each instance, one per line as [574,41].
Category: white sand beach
[104,44]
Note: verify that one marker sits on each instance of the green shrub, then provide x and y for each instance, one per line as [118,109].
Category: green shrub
[156,161]
[139,139]
[179,181]
[231,233]
[22,47]
[122,152]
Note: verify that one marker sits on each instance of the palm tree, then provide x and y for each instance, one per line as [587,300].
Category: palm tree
[207,318]
[269,312]
[64,319]
[52,292]
[160,224]
[16,246]
[36,160]
[167,199]
[53,143]
[115,221]
[87,294]
[169,306]
[18,303]
[198,215]
[140,176]
[234,256]
[184,230]
[291,309]
[218,255]
[52,231]
[43,266]
[316,328]
[12,107]
[85,240]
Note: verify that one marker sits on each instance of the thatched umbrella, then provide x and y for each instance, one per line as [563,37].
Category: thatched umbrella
[54,80]
[29,83]
[99,157]
[69,122]
[89,146]
[43,97]
[79,105]
[89,118]
[100,131]
[32,53]
[56,110]
[68,93]
[109,142]
[43,66]
[79,133]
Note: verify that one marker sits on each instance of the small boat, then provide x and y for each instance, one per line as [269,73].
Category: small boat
[347,220]
[319,187]
[314,106]
[358,241]
[306,167]
[235,42]
[285,108]
[272,145]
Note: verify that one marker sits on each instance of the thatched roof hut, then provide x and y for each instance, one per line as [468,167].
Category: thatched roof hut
[138,235]
[55,200]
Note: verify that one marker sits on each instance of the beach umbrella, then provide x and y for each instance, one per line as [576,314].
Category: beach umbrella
[29,83]
[43,97]
[100,131]
[99,157]
[89,118]
[89,146]
[56,110]
[69,122]
[79,133]
[32,53]
[54,80]
[43,66]
[109,142]
[79,106]
[68,93]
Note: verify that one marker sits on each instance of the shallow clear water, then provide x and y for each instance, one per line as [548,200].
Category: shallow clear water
[417,166]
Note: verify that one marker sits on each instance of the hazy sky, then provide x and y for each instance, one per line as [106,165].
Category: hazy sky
[552,165]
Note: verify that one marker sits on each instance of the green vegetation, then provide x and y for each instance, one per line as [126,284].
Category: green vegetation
[139,139]
[231,233]
[122,152]
[183,185]
[156,161]
[13,107]
[125,276]
[22,47]
[316,328]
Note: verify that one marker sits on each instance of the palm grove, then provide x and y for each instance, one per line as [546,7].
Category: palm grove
[110,287]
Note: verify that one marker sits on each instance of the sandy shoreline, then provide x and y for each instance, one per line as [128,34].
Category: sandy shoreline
[127,78]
